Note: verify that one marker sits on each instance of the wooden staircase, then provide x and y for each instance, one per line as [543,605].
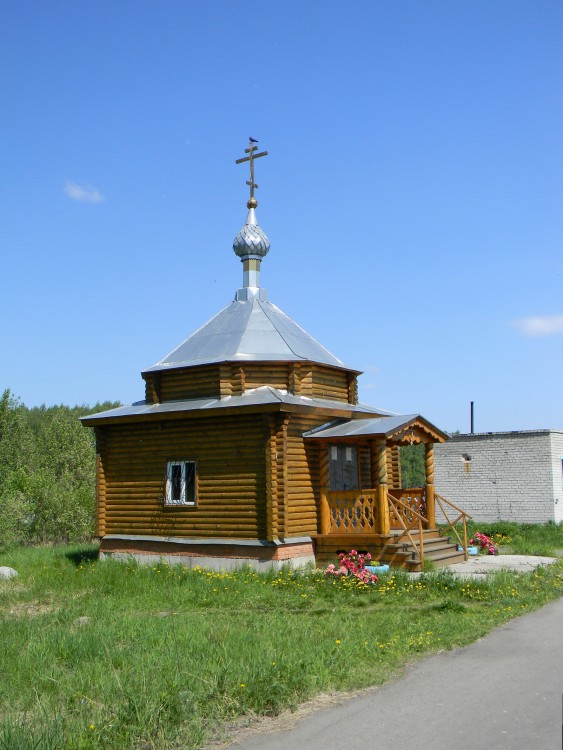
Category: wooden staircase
[394,549]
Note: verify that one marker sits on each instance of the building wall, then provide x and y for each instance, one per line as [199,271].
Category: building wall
[235,378]
[502,476]
[557,472]
[231,484]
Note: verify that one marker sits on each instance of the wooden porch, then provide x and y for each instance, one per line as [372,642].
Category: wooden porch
[393,529]
[363,507]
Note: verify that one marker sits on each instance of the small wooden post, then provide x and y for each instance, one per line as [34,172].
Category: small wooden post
[465,553]
[325,512]
[324,509]
[379,474]
[430,500]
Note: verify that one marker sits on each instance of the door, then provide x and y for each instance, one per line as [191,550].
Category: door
[343,461]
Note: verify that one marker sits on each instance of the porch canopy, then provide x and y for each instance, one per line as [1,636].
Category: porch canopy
[377,469]
[401,429]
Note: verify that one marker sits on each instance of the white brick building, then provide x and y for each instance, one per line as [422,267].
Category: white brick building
[509,476]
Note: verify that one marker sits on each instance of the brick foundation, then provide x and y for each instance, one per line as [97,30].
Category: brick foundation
[210,554]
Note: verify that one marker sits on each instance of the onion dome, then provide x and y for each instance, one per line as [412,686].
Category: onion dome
[251,241]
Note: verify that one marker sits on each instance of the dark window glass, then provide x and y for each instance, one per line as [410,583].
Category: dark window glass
[190,482]
[176,483]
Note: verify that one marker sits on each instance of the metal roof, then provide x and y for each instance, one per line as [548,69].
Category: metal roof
[380,426]
[383,426]
[248,330]
[256,397]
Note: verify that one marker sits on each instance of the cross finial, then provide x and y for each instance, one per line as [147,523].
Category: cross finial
[252,202]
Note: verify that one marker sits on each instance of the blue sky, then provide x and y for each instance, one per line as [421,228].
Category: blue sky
[412,194]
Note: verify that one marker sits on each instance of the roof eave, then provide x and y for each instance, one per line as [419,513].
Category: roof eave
[242,360]
[335,410]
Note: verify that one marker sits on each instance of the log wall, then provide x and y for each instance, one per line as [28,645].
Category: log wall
[233,379]
[364,459]
[100,484]
[274,374]
[231,482]
[186,383]
[394,467]
[328,382]
[303,477]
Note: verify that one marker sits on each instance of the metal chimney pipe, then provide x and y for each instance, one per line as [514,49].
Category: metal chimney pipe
[472,418]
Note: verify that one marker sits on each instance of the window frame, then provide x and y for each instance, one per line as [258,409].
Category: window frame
[185,480]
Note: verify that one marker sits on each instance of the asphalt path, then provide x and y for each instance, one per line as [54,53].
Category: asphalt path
[503,692]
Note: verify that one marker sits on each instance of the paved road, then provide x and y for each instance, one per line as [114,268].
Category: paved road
[502,693]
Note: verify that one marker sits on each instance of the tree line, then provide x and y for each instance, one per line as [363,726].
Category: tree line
[47,473]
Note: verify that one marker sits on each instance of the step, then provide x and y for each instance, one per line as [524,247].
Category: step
[413,530]
[439,547]
[394,548]
[451,555]
[427,534]
[439,561]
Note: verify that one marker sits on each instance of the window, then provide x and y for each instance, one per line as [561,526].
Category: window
[343,467]
[180,483]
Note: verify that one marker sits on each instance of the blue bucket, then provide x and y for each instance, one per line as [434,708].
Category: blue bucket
[377,568]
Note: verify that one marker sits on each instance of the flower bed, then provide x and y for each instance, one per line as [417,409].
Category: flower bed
[484,542]
[352,564]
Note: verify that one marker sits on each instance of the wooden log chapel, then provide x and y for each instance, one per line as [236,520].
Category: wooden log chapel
[250,447]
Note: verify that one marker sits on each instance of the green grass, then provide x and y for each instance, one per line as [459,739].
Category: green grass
[170,656]
[521,538]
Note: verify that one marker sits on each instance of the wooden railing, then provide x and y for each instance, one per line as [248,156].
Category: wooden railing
[349,512]
[413,503]
[401,511]
[451,524]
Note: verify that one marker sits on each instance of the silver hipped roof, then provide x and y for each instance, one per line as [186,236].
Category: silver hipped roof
[262,396]
[248,330]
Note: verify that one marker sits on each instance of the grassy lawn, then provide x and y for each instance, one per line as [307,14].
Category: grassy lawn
[103,655]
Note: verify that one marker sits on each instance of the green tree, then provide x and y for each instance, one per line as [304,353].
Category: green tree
[47,473]
[412,466]
[16,453]
[16,443]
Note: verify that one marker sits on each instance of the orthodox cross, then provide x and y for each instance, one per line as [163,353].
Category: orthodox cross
[250,158]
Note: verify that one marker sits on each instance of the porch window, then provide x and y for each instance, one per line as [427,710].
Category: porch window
[180,483]
[343,467]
